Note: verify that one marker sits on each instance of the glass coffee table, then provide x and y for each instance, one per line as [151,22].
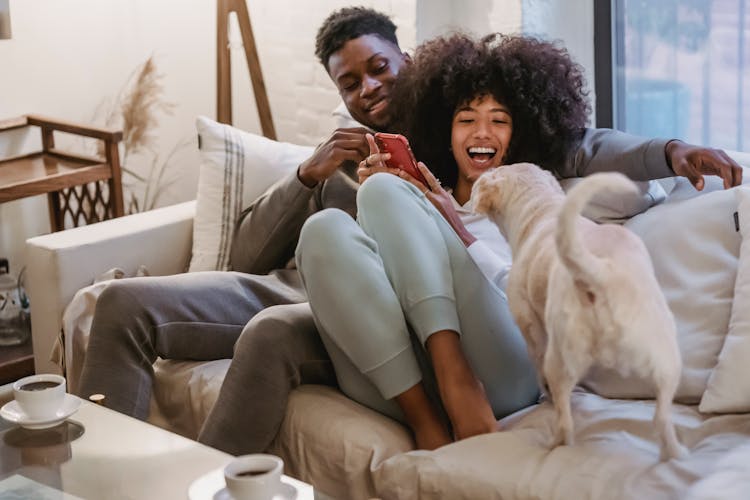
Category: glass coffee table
[99,453]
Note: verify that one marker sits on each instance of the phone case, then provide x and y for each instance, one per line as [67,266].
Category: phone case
[401,155]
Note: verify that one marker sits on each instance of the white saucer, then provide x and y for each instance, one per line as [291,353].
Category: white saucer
[12,412]
[212,486]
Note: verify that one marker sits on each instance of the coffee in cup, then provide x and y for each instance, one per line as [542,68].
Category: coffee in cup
[39,385]
[254,477]
[40,396]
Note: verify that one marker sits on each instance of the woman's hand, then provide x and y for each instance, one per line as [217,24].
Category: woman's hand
[375,162]
[442,200]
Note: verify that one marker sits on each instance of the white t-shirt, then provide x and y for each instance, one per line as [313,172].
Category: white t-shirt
[491,251]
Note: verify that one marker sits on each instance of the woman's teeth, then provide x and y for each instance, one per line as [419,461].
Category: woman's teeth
[480,154]
[482,150]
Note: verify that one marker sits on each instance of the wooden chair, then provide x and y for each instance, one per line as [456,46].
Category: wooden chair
[80,190]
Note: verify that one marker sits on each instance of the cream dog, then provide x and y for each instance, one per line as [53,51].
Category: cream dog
[582,293]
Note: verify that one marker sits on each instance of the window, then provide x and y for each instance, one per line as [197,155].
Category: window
[677,68]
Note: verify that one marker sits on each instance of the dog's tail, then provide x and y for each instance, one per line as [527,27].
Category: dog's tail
[579,260]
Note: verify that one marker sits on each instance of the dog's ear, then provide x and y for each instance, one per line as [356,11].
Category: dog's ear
[483,193]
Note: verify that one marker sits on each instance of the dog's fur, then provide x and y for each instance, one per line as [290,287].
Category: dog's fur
[581,293]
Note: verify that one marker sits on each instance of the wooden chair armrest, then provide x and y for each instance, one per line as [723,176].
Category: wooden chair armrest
[75,128]
[11,123]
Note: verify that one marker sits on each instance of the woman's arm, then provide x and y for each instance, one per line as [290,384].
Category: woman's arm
[442,200]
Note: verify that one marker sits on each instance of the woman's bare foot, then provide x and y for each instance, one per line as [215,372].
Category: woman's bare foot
[429,431]
[462,393]
[467,407]
[431,435]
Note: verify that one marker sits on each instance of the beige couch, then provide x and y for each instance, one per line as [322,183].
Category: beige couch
[62,263]
[348,451]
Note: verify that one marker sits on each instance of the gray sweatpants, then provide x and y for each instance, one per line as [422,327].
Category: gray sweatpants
[192,316]
[402,264]
[279,349]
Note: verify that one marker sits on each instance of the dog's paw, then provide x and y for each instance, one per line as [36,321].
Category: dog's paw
[561,438]
[677,451]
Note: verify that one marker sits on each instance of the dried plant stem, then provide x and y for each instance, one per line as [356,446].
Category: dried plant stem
[136,109]
[155,182]
[140,107]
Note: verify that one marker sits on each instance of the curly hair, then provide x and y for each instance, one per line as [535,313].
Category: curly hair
[537,81]
[349,23]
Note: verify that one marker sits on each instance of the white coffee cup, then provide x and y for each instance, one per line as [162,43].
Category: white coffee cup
[40,396]
[254,477]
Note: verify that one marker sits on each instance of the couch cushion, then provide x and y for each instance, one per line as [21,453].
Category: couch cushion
[184,393]
[618,207]
[729,385]
[236,167]
[694,248]
[335,443]
[615,456]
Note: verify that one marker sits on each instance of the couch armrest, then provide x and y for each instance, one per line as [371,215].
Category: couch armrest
[59,264]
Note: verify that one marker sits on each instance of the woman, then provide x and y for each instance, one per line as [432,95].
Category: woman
[417,260]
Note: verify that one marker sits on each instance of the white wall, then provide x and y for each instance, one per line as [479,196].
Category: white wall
[477,17]
[67,56]
[572,23]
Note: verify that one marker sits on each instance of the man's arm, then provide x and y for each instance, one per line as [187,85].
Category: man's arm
[602,150]
[607,150]
[693,162]
[267,232]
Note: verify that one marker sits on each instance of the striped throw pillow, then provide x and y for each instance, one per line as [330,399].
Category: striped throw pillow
[236,167]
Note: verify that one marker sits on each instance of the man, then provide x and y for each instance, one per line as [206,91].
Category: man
[199,316]
[280,347]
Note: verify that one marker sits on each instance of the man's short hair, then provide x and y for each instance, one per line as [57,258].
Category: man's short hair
[349,23]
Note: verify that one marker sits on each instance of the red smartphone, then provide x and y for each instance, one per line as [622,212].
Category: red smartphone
[401,155]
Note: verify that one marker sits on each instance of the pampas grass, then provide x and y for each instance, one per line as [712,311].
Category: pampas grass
[136,110]
[140,108]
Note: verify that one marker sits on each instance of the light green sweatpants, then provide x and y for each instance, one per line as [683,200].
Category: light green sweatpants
[401,265]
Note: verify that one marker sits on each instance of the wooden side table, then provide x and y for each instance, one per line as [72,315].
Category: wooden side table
[80,190]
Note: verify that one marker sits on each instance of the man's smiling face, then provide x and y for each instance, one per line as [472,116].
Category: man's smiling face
[364,70]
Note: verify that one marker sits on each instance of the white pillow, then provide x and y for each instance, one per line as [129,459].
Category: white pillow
[607,207]
[236,167]
[694,247]
[740,157]
[728,388]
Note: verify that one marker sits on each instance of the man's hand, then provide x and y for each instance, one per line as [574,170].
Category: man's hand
[345,144]
[693,162]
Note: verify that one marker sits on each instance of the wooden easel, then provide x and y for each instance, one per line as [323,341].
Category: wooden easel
[223,66]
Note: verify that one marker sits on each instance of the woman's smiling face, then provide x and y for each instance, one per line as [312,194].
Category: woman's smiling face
[480,136]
